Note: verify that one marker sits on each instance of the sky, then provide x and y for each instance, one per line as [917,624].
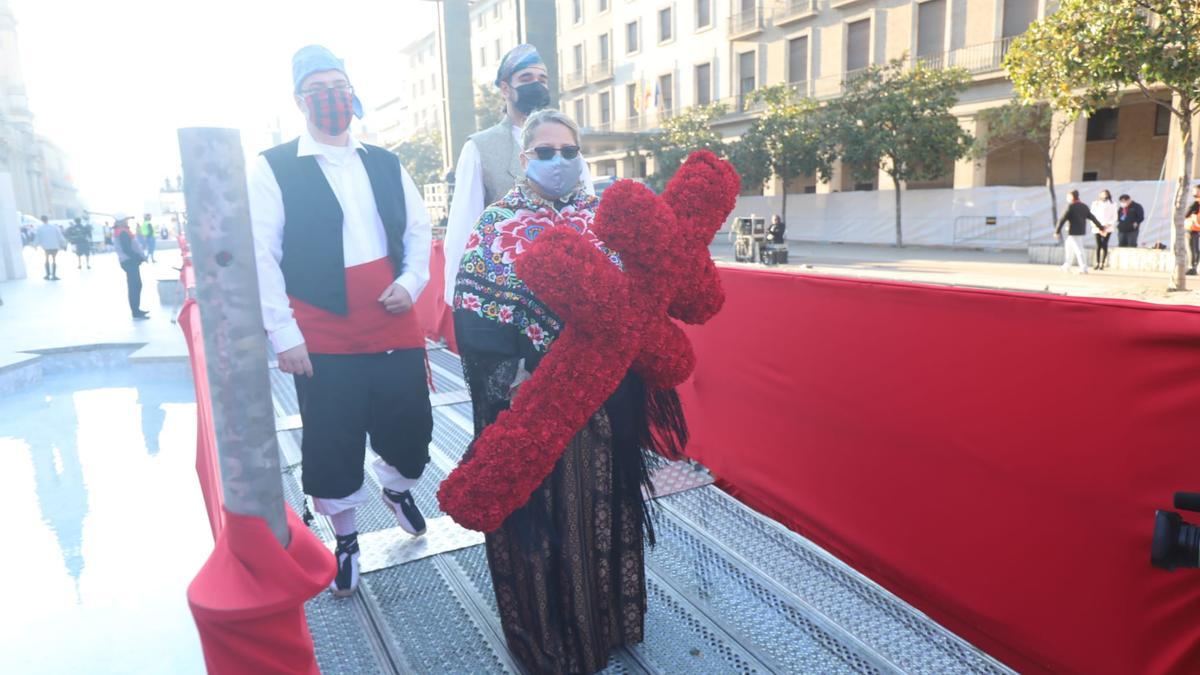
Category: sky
[110,81]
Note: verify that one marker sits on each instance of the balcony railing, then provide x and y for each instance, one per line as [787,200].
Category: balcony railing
[574,79]
[747,22]
[976,59]
[788,11]
[601,71]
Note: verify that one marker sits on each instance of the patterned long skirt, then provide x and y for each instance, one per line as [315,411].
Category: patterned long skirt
[571,587]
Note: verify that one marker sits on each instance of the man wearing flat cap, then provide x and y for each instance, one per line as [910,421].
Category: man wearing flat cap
[342,245]
[490,163]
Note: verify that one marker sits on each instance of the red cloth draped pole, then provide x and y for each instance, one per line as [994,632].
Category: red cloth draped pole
[248,599]
[993,458]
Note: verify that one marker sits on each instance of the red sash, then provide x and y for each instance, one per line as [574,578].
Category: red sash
[367,328]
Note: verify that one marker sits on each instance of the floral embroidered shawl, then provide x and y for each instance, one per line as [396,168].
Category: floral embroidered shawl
[487,283]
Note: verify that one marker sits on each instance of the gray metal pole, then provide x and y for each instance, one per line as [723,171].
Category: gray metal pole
[459,92]
[218,232]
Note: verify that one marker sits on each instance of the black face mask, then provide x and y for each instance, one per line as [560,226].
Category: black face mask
[532,96]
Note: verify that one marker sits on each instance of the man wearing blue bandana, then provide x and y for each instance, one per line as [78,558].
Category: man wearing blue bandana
[342,239]
[490,163]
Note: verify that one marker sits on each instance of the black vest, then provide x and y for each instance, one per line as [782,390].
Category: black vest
[314,268]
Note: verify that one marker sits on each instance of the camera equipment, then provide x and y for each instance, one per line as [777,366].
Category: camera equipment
[1176,542]
[774,254]
[750,235]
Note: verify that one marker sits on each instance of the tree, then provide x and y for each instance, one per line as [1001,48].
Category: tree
[1035,124]
[1087,52]
[790,140]
[898,121]
[682,135]
[421,156]
[489,107]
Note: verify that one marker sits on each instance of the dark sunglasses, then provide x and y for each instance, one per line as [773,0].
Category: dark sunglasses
[546,153]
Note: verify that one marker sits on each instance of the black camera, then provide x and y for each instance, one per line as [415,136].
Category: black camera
[1176,542]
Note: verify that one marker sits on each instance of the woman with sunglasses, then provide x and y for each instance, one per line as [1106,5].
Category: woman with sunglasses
[567,567]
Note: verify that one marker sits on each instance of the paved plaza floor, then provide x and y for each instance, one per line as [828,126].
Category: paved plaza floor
[106,523]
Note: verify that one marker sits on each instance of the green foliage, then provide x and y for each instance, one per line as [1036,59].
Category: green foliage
[789,140]
[421,156]
[1080,57]
[1014,123]
[1018,122]
[489,107]
[898,121]
[682,135]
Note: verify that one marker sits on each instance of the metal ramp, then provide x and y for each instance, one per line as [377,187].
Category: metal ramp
[730,591]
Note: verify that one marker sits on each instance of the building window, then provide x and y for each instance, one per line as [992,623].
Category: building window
[1102,125]
[704,84]
[577,10]
[602,51]
[602,6]
[605,108]
[577,55]
[746,81]
[931,29]
[798,59]
[482,56]
[579,118]
[858,45]
[666,88]
[631,37]
[703,13]
[1018,14]
[499,53]
[1162,120]
[631,100]
[664,24]
[496,11]
[479,20]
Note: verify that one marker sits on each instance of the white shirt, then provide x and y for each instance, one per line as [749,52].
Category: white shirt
[363,236]
[467,205]
[1106,212]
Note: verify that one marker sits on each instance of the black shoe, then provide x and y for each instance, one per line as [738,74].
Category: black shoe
[1191,272]
[55,278]
[407,513]
[141,315]
[346,555]
[47,277]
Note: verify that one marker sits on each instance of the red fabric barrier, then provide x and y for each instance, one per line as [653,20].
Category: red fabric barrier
[433,313]
[207,465]
[993,458]
[248,599]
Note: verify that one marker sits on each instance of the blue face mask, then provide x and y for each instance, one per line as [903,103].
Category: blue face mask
[555,177]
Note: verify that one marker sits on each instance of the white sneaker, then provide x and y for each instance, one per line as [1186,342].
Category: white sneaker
[346,581]
[407,514]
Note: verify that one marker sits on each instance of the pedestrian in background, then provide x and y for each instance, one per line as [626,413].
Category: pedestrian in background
[1192,221]
[1129,222]
[1077,214]
[147,236]
[777,231]
[131,257]
[51,239]
[80,236]
[1105,211]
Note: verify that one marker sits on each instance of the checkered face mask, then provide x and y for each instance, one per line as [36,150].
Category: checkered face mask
[331,110]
